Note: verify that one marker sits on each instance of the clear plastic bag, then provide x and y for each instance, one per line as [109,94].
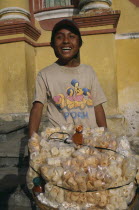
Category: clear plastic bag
[89,169]
[106,199]
[82,176]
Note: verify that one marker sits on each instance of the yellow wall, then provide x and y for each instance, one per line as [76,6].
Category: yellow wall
[129,19]
[44,57]
[45,35]
[128,70]
[13,90]
[127,53]
[99,52]
[14,3]
[30,54]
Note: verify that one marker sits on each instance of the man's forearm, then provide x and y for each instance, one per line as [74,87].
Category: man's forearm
[34,123]
[100,116]
[35,118]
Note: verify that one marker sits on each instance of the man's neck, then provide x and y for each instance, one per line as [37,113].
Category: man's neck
[71,63]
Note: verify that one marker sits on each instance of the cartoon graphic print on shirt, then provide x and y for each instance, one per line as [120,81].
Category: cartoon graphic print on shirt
[76,97]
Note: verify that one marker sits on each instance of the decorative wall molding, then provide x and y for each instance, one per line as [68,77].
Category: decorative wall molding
[10,27]
[86,5]
[10,13]
[47,44]
[24,39]
[108,18]
[84,2]
[127,36]
[84,21]
[97,5]
[101,31]
[56,13]
[14,9]
[9,17]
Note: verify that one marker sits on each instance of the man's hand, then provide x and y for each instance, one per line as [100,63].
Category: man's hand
[35,117]
[100,116]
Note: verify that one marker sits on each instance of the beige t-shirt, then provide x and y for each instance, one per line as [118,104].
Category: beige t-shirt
[71,94]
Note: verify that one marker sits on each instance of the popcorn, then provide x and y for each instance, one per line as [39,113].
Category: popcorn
[97,175]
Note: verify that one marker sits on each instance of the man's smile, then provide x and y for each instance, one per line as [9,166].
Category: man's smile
[66,49]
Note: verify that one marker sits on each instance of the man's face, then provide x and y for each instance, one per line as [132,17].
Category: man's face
[66,45]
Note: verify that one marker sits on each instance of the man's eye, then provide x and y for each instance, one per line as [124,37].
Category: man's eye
[72,36]
[59,37]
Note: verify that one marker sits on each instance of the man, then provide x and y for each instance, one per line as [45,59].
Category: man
[71,90]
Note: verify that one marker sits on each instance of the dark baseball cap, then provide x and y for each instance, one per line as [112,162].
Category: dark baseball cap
[66,24]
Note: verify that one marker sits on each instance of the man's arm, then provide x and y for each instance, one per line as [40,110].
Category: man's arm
[35,117]
[100,116]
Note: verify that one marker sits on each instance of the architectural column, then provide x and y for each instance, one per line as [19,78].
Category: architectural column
[97,6]
[17,55]
[14,10]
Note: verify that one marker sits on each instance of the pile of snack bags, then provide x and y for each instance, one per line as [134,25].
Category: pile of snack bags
[102,173]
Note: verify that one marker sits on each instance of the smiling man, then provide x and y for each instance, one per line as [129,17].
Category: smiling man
[71,90]
[66,42]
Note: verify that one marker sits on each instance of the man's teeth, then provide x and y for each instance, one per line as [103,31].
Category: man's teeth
[66,48]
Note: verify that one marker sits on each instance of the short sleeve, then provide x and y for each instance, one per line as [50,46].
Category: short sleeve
[98,94]
[40,89]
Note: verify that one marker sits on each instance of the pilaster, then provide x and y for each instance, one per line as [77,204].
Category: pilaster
[17,57]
